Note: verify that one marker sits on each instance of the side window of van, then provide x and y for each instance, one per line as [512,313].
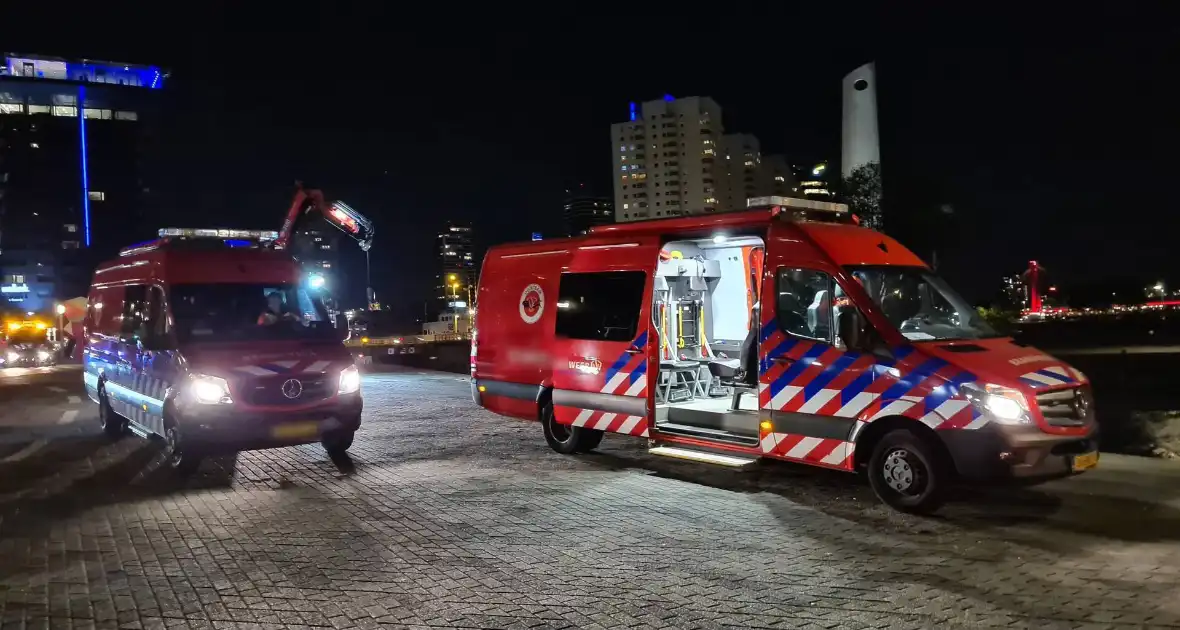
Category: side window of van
[107,311]
[804,303]
[134,309]
[602,306]
[157,319]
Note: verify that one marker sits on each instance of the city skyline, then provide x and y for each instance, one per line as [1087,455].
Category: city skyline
[966,157]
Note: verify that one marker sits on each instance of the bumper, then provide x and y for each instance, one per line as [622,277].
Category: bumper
[213,429]
[1020,453]
[30,361]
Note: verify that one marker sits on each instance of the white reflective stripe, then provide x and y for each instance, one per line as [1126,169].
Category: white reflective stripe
[977,423]
[637,387]
[254,370]
[644,433]
[933,420]
[768,442]
[1043,379]
[857,404]
[893,408]
[629,424]
[614,382]
[318,366]
[784,396]
[816,402]
[950,407]
[1057,369]
[805,446]
[838,455]
[605,421]
[583,416]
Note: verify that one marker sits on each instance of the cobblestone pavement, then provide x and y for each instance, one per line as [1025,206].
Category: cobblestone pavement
[454,517]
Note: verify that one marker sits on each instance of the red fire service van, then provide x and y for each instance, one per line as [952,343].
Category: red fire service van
[782,332]
[212,340]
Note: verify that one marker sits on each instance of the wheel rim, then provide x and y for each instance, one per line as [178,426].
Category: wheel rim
[904,473]
[560,432]
[175,453]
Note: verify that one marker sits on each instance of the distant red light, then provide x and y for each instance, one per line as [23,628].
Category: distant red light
[343,219]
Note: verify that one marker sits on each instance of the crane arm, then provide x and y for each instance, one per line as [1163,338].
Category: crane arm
[338,213]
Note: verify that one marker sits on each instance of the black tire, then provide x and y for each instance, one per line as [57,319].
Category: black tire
[113,425]
[590,440]
[565,439]
[909,474]
[337,443]
[182,459]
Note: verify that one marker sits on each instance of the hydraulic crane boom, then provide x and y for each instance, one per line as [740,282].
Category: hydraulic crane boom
[338,213]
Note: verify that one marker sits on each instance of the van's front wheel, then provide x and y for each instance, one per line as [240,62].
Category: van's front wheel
[908,474]
[566,439]
[113,425]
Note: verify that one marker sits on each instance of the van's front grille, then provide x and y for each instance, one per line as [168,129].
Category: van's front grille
[275,390]
[1066,407]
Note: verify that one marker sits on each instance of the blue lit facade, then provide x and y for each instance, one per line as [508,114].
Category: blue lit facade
[76,139]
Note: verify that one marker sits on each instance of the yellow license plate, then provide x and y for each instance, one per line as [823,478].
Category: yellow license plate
[296,430]
[1085,461]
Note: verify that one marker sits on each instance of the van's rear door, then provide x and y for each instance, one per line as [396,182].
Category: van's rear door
[602,348]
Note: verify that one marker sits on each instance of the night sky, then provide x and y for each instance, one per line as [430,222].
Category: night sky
[1047,136]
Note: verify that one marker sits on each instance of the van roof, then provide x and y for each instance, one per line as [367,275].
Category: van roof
[845,244]
[228,266]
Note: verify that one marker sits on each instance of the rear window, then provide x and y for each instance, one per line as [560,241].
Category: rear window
[600,306]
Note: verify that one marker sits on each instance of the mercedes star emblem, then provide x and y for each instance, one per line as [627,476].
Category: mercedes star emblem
[292,388]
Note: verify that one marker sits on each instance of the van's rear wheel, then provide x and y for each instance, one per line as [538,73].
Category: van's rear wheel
[565,439]
[113,425]
[908,474]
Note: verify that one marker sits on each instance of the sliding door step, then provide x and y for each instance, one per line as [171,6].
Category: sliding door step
[708,457]
[719,435]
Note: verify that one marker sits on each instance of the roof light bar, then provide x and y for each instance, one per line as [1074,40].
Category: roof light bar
[799,204]
[260,235]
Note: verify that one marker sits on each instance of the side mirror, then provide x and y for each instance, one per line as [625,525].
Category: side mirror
[850,327]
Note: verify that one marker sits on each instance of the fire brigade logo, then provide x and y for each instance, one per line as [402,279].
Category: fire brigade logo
[532,303]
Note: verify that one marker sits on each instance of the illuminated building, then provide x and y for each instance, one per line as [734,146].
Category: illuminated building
[812,181]
[584,210]
[1014,291]
[75,139]
[673,158]
[316,249]
[664,159]
[456,265]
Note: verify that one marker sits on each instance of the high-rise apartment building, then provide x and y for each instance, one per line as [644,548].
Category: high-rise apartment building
[584,210]
[664,159]
[456,265]
[673,158]
[75,173]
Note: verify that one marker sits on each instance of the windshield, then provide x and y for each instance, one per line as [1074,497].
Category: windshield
[231,312]
[920,304]
[28,335]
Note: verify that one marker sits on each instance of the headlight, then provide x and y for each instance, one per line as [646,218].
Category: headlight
[1004,404]
[42,355]
[13,357]
[210,390]
[350,380]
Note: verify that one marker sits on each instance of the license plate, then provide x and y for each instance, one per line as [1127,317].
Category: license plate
[296,430]
[1085,461]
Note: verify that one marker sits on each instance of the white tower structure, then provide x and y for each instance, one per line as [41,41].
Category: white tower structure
[861,144]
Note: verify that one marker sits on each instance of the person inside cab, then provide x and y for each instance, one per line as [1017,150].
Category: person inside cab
[275,311]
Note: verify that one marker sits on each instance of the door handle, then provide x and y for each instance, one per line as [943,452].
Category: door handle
[783,359]
[634,350]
